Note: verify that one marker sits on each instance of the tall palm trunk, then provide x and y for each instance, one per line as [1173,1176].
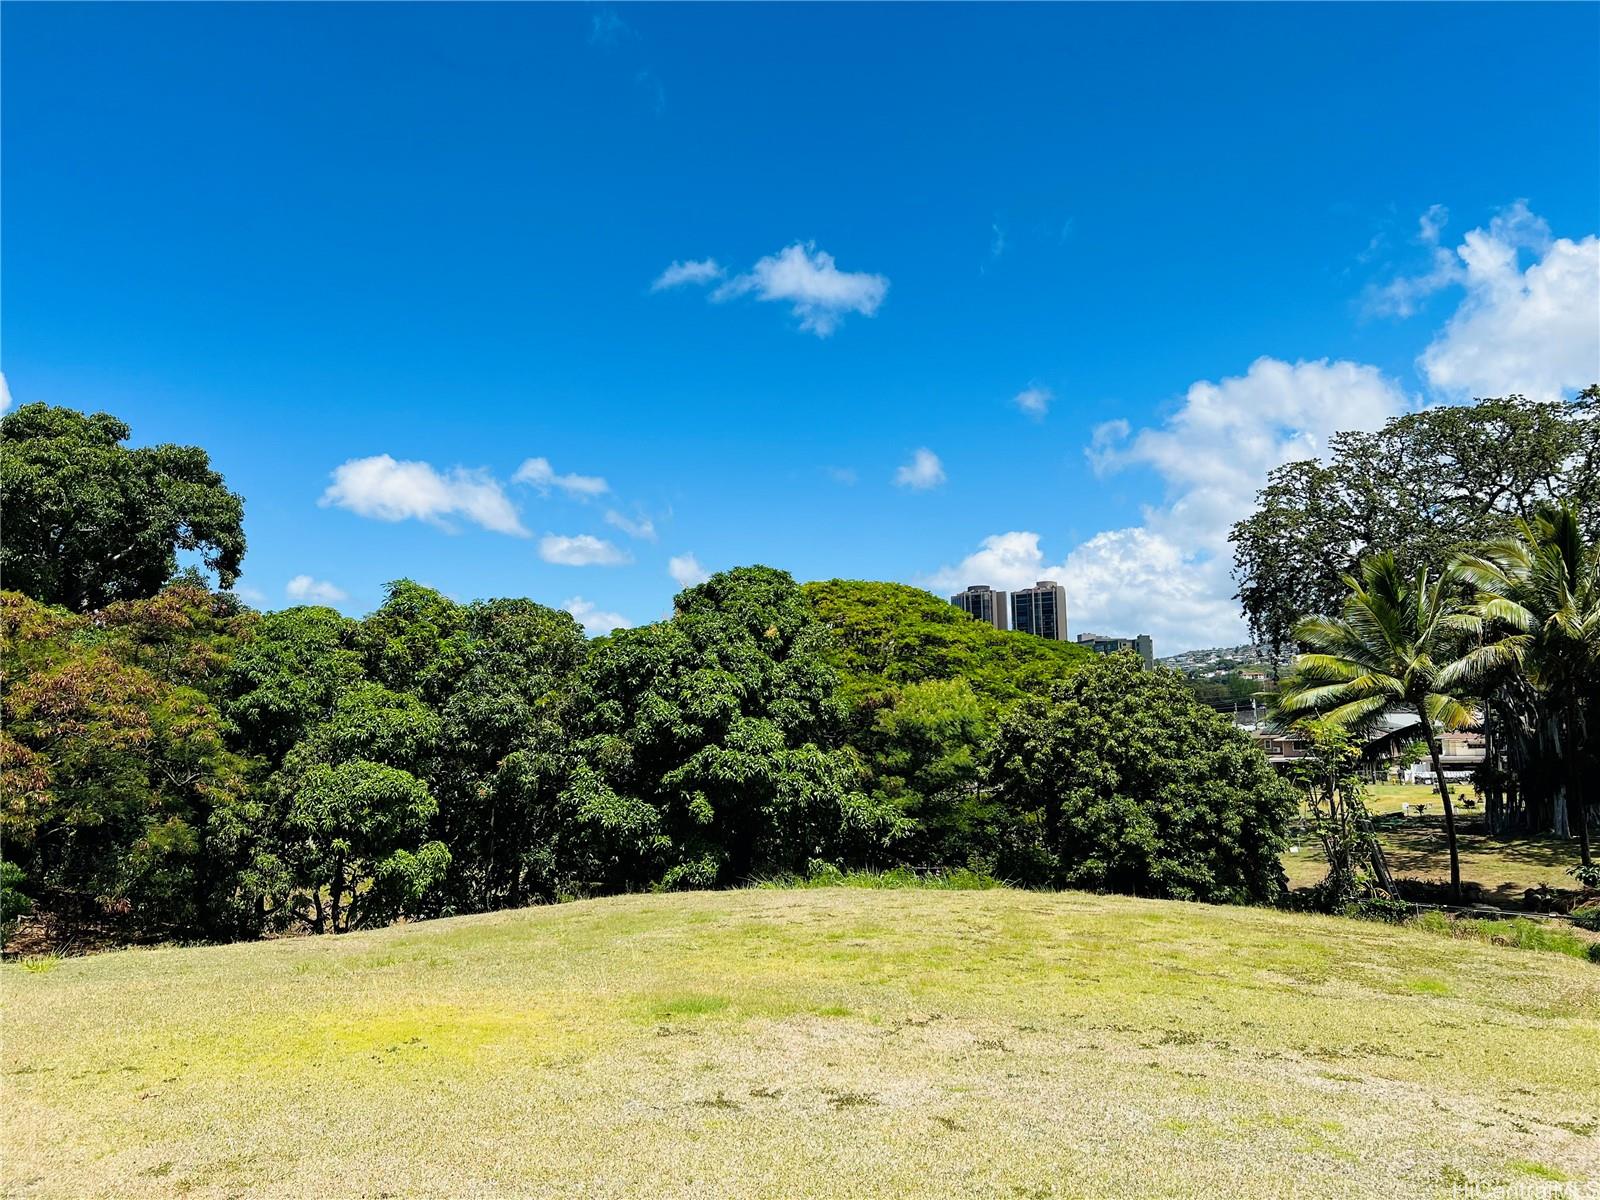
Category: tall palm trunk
[1577,802]
[1444,795]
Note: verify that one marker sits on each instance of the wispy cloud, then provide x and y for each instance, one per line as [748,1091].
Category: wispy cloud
[1033,400]
[686,570]
[538,473]
[801,276]
[607,29]
[642,528]
[692,271]
[922,472]
[304,587]
[806,278]
[387,489]
[1431,224]
[5,393]
[583,550]
[594,620]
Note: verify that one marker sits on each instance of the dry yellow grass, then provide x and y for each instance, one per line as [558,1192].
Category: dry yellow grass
[840,1043]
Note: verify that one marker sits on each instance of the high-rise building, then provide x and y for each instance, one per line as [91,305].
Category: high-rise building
[982,603]
[1101,644]
[1041,610]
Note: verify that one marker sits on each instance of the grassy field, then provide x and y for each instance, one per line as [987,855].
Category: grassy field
[1384,799]
[1503,867]
[823,1042]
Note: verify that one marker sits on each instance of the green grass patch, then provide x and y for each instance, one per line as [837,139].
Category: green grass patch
[815,1042]
[1535,1170]
[953,879]
[688,1006]
[1428,987]
[1519,932]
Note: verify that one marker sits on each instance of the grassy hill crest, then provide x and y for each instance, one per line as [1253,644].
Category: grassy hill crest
[826,1042]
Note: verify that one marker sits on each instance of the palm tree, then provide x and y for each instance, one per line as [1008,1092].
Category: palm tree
[1538,613]
[1390,650]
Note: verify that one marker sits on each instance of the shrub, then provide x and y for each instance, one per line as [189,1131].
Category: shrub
[1124,782]
[1587,875]
[1380,908]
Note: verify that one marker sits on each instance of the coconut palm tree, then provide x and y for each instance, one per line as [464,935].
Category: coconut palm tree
[1391,649]
[1538,614]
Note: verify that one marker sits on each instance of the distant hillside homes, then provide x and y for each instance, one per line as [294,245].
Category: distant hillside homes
[1246,661]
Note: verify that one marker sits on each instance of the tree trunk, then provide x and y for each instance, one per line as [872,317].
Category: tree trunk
[337,890]
[1577,803]
[1380,862]
[1449,809]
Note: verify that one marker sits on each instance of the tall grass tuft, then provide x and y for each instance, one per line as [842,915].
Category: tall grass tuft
[827,875]
[1518,932]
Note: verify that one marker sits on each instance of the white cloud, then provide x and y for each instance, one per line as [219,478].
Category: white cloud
[686,570]
[843,476]
[1519,328]
[922,472]
[388,490]
[1122,582]
[1528,328]
[1431,224]
[1402,297]
[1004,560]
[593,619]
[1035,401]
[538,473]
[303,587]
[253,596]
[1536,330]
[807,279]
[642,528]
[583,550]
[1169,576]
[695,271]
[1214,452]
[5,393]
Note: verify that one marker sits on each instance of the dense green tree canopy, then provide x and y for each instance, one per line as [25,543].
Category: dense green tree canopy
[709,745]
[1422,488]
[114,761]
[923,685]
[89,521]
[496,674]
[1536,621]
[198,768]
[887,633]
[1125,782]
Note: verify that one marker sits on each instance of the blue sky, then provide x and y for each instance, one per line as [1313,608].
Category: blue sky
[962,293]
